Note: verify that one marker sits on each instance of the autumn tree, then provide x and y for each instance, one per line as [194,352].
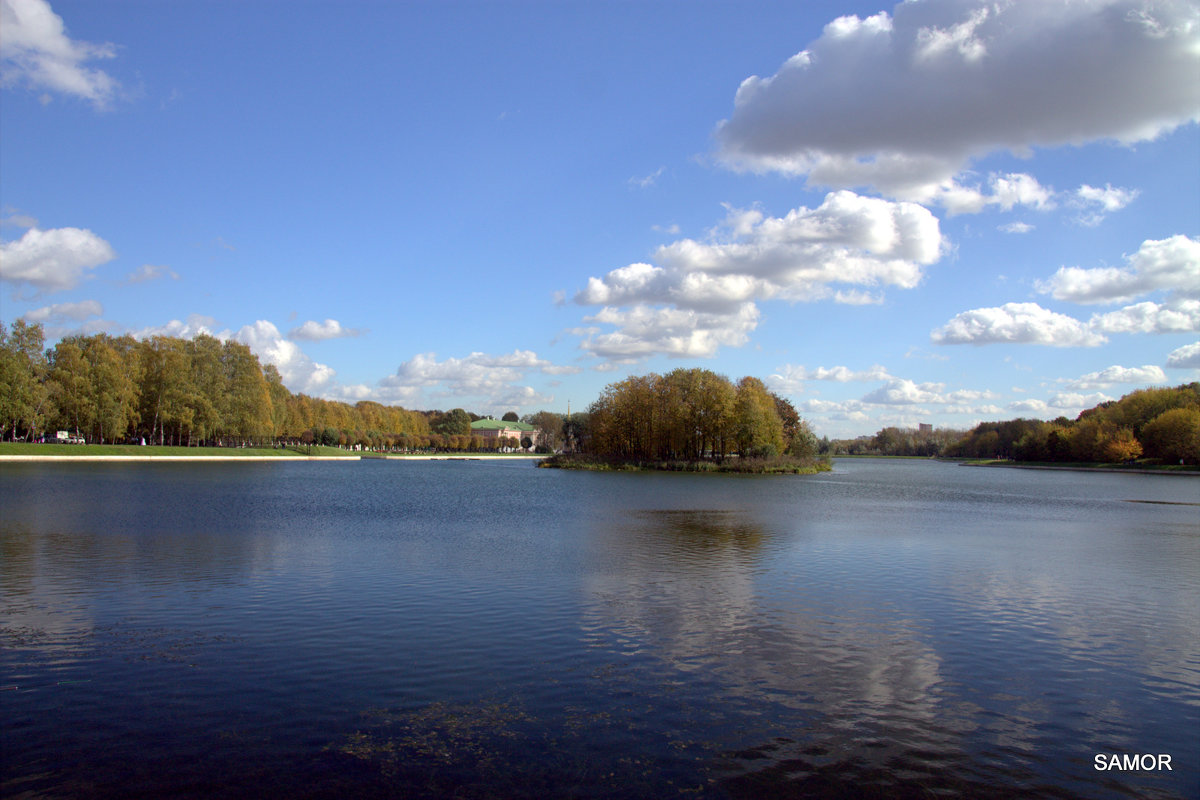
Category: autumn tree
[71,388]
[757,429]
[23,371]
[248,401]
[114,371]
[1174,436]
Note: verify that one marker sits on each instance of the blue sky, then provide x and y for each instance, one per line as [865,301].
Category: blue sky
[940,211]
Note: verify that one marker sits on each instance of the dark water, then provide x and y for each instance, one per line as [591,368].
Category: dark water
[451,629]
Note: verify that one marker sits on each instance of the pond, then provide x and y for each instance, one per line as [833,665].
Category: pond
[487,629]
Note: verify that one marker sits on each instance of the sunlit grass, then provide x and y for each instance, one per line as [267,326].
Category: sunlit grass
[147,451]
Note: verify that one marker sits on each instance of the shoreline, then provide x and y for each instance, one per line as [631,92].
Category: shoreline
[1103,470]
[221,458]
[23,458]
[423,457]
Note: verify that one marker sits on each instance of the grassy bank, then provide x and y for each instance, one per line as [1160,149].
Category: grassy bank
[783,465]
[154,451]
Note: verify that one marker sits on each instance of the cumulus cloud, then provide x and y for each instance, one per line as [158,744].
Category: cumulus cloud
[1005,192]
[1078,401]
[1114,375]
[1096,204]
[495,379]
[903,102]
[1171,264]
[1186,357]
[701,294]
[1176,316]
[150,272]
[905,392]
[1070,403]
[313,331]
[1016,323]
[52,260]
[63,312]
[847,240]
[790,378]
[643,331]
[299,372]
[65,319]
[1032,406]
[36,52]
[195,325]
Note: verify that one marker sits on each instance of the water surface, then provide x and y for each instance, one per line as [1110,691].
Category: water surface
[482,629]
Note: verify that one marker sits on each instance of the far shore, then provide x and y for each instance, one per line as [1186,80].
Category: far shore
[1113,470]
[197,457]
[449,457]
[214,454]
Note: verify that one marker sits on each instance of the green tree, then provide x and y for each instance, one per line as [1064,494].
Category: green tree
[510,416]
[757,429]
[71,387]
[248,402]
[23,369]
[700,405]
[456,422]
[114,385]
[279,396]
[208,387]
[549,427]
[1121,446]
[1174,436]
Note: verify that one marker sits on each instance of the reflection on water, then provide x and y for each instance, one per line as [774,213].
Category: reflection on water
[899,629]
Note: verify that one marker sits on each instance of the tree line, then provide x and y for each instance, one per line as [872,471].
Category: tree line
[690,415]
[1160,424]
[204,391]
[193,392]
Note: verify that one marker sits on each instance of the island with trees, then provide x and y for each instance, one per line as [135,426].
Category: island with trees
[693,420]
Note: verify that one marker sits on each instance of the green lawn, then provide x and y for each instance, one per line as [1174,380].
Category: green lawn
[31,449]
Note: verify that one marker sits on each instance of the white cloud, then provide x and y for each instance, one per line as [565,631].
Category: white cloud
[847,240]
[643,331]
[1030,407]
[1016,227]
[905,392]
[195,325]
[1177,316]
[1078,401]
[1070,402]
[1016,323]
[16,219]
[495,379]
[151,272]
[1006,192]
[313,331]
[299,372]
[646,181]
[701,294]
[1186,357]
[1116,374]
[36,52]
[53,260]
[790,379]
[1098,203]
[904,102]
[63,312]
[1171,264]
